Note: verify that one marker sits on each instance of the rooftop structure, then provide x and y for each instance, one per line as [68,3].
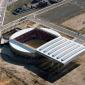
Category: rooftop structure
[62,50]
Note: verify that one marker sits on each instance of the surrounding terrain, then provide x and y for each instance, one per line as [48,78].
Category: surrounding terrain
[14,70]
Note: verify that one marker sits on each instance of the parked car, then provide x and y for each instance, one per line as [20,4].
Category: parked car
[34,1]
[54,1]
[20,10]
[42,4]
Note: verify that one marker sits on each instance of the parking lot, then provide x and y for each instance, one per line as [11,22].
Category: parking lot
[10,17]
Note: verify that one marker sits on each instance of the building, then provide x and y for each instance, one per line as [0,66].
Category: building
[46,42]
[26,41]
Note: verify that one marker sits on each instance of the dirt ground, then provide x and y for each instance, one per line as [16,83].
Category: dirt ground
[12,73]
[76,23]
[25,24]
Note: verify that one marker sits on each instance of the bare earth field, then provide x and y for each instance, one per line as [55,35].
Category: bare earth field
[76,23]
[25,24]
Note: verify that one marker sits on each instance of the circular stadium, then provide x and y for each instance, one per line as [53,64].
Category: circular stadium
[26,41]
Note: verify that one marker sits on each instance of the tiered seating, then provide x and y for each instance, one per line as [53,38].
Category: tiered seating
[61,49]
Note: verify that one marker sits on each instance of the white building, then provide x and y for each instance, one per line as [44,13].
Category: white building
[55,47]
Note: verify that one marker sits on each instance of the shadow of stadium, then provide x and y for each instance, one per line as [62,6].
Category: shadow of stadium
[45,71]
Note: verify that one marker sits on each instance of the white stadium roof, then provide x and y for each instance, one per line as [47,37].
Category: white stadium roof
[61,49]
